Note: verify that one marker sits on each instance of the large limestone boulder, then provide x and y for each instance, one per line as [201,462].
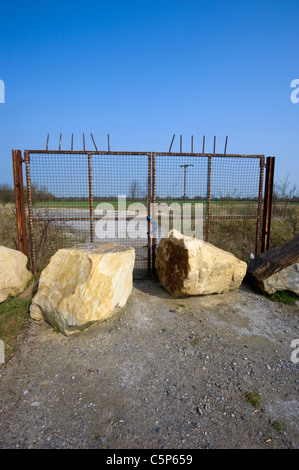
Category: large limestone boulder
[83,285]
[188,266]
[276,269]
[14,275]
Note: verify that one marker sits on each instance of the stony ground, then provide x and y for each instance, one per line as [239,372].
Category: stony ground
[165,374]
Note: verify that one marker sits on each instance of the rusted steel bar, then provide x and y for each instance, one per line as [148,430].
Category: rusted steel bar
[259,210]
[30,213]
[267,210]
[171,142]
[103,152]
[19,201]
[90,197]
[208,215]
[172,154]
[130,217]
[61,219]
[80,152]
[60,141]
[149,200]
[47,144]
[154,236]
[94,142]
[225,145]
[83,219]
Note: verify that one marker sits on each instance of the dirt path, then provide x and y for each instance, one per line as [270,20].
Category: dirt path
[167,373]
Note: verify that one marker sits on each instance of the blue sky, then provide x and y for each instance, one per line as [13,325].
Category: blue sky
[144,70]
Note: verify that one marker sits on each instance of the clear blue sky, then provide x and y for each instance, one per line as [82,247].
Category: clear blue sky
[144,70]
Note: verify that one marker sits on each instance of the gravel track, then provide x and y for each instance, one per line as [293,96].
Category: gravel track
[164,374]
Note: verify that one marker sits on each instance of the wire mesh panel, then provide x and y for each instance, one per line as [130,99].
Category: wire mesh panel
[180,192]
[135,198]
[229,189]
[235,202]
[57,186]
[121,195]
[76,197]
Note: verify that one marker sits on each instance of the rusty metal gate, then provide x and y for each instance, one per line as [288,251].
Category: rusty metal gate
[229,188]
[87,196]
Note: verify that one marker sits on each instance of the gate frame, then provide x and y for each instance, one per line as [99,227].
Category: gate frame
[268,196]
[20,201]
[210,156]
[262,230]
[91,217]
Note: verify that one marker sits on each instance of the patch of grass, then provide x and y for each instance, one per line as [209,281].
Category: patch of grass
[253,398]
[8,227]
[277,426]
[283,296]
[194,342]
[165,330]
[13,321]
[182,305]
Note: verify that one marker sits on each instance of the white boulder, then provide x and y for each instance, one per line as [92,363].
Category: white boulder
[84,284]
[188,266]
[14,275]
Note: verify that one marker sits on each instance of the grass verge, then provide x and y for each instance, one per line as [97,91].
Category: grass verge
[283,296]
[253,398]
[14,320]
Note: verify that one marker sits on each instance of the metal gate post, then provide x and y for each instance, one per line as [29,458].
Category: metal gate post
[149,201]
[208,209]
[19,201]
[268,195]
[30,213]
[90,198]
[154,237]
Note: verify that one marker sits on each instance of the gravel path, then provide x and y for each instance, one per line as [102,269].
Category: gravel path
[165,374]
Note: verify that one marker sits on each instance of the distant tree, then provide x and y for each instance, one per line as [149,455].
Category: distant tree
[6,193]
[285,205]
[135,191]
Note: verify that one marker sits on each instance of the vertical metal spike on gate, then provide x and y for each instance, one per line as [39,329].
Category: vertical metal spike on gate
[191,143]
[94,142]
[214,149]
[171,143]
[108,142]
[60,142]
[47,144]
[72,142]
[84,142]
[225,146]
[181,143]
[203,144]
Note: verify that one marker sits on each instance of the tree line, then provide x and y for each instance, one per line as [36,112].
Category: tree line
[39,193]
